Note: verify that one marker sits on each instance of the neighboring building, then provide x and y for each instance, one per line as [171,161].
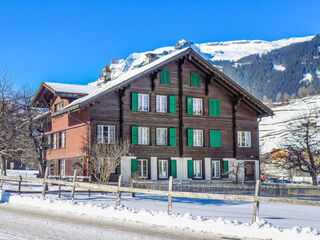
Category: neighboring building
[184,117]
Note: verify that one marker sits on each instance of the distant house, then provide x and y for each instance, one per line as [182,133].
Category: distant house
[184,117]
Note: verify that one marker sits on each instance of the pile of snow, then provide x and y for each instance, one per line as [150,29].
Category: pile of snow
[273,130]
[262,229]
[306,78]
[23,173]
[279,68]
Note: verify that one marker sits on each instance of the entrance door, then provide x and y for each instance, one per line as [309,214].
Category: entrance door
[249,171]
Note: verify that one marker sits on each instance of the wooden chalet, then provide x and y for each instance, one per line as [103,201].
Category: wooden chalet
[184,117]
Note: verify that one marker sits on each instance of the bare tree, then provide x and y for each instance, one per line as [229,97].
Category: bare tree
[237,168]
[279,97]
[302,145]
[104,158]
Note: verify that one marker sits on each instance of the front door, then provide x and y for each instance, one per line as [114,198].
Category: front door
[249,170]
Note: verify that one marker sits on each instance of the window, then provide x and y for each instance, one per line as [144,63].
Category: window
[197,169]
[161,102]
[214,107]
[143,136]
[143,168]
[195,79]
[62,167]
[106,134]
[215,169]
[163,168]
[244,139]
[143,102]
[162,136]
[54,141]
[58,106]
[215,138]
[197,106]
[49,141]
[62,139]
[197,138]
[165,76]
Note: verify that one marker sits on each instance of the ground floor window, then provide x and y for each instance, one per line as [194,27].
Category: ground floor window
[163,168]
[143,168]
[249,170]
[197,169]
[62,167]
[215,169]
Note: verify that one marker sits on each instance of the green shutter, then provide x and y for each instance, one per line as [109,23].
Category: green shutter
[215,138]
[190,105]
[190,137]
[195,79]
[174,168]
[225,168]
[172,104]
[134,165]
[134,101]
[214,107]
[172,137]
[165,76]
[134,135]
[190,169]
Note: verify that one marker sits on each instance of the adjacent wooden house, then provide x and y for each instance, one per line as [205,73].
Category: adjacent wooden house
[184,117]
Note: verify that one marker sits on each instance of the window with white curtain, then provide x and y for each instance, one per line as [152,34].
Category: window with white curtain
[162,136]
[143,102]
[143,136]
[244,139]
[106,134]
[197,106]
[143,168]
[197,138]
[215,169]
[197,168]
[161,103]
[163,168]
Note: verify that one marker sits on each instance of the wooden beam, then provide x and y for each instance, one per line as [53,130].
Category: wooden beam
[181,126]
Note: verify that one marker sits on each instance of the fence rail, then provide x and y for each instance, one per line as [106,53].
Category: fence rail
[118,189]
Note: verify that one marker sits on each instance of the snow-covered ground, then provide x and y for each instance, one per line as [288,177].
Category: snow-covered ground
[273,130]
[209,217]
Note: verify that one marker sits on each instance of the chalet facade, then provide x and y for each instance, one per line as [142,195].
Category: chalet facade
[184,117]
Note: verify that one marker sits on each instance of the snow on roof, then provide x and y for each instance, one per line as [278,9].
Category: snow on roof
[71,88]
[126,77]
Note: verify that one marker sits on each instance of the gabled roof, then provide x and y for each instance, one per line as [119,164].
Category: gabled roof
[71,88]
[154,66]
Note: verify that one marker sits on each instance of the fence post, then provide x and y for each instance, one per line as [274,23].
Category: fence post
[169,195]
[256,203]
[59,187]
[44,186]
[118,200]
[74,184]
[89,191]
[19,184]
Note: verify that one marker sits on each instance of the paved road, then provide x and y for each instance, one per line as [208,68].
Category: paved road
[22,224]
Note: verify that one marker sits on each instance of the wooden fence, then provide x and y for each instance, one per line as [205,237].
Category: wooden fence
[118,189]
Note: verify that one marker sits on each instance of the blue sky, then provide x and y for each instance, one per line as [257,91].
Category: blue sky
[71,41]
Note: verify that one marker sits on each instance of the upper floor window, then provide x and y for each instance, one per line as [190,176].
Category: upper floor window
[195,79]
[194,106]
[161,103]
[106,134]
[244,139]
[162,136]
[143,102]
[165,76]
[62,139]
[58,106]
[195,137]
[140,135]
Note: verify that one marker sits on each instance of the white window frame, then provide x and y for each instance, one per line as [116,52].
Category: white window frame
[197,106]
[143,102]
[143,135]
[216,169]
[110,132]
[49,146]
[62,139]
[54,141]
[244,139]
[143,163]
[161,165]
[197,138]
[62,167]
[58,106]
[161,103]
[197,169]
[162,136]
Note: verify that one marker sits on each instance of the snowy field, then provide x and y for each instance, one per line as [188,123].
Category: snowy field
[204,219]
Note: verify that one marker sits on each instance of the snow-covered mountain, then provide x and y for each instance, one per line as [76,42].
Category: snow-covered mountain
[273,130]
[262,67]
